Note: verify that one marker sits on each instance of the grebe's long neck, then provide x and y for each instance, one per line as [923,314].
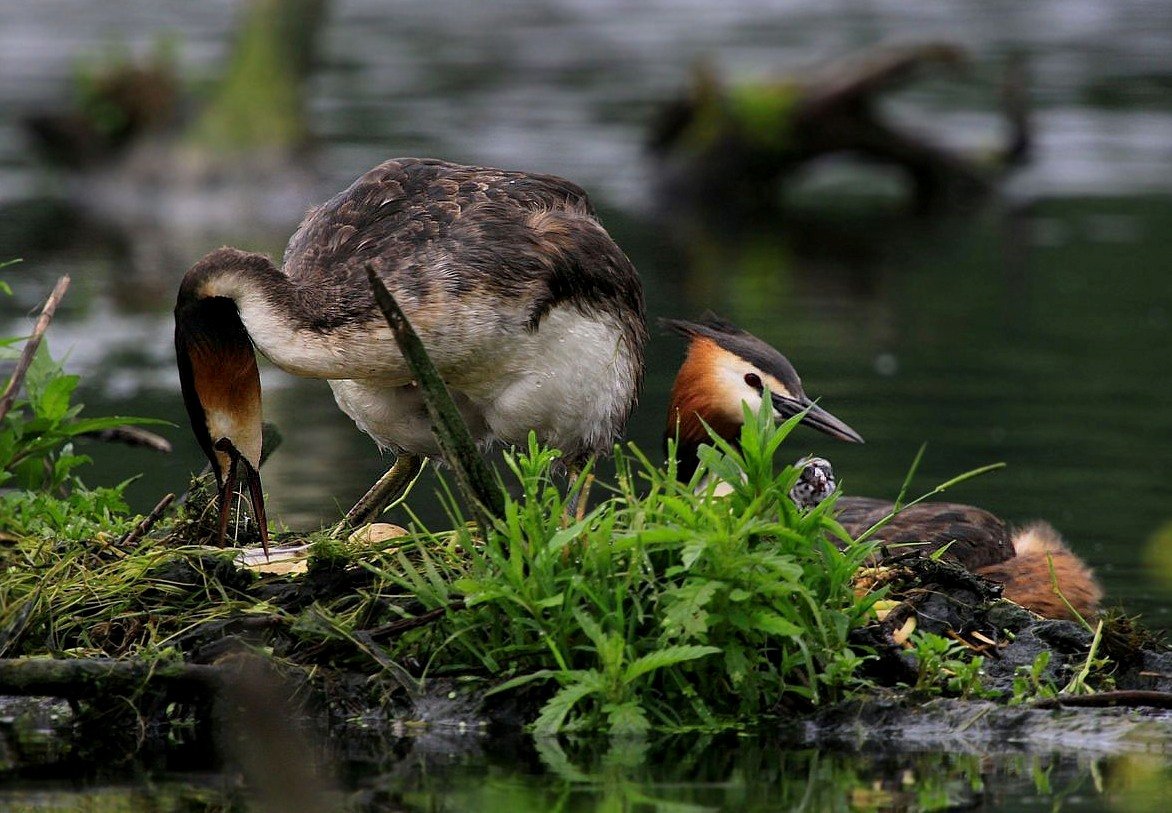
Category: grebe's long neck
[219,377]
[696,400]
[300,328]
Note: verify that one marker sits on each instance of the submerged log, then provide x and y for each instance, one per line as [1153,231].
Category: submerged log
[88,678]
[725,144]
[1102,700]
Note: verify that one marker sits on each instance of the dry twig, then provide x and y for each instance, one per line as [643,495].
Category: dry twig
[30,347]
[132,436]
[1132,697]
[132,536]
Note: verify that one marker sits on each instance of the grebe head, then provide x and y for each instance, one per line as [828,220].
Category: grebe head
[727,367]
[220,380]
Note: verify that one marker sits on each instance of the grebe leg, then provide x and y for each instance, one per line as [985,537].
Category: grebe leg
[577,499]
[386,489]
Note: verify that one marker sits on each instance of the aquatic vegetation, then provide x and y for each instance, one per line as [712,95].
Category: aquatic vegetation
[946,666]
[659,607]
[656,608]
[1029,683]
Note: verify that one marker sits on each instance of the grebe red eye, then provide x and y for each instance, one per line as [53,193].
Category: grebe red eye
[754,381]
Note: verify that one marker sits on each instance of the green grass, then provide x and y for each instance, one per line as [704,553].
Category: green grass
[97,600]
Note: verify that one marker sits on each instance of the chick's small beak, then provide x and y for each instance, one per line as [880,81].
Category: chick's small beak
[227,493]
[816,417]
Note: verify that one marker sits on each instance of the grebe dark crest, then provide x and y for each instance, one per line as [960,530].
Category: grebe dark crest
[530,312]
[726,367]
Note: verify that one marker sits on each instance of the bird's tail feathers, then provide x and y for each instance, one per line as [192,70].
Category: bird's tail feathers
[1043,560]
[1038,537]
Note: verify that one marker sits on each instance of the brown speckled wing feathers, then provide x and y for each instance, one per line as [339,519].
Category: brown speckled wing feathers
[533,239]
[975,538]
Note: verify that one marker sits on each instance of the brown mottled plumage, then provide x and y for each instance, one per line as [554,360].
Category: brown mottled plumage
[530,312]
[710,388]
[974,538]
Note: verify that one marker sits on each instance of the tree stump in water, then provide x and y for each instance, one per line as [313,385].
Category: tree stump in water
[725,144]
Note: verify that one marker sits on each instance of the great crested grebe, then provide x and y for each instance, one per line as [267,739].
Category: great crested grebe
[530,312]
[726,367]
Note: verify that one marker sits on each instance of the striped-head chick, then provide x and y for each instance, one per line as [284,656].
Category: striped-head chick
[725,368]
[221,386]
[815,482]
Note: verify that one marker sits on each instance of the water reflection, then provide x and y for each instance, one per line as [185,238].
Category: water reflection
[700,773]
[708,773]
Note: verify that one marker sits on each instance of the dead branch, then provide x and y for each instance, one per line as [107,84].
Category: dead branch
[1131,697]
[86,678]
[473,475]
[30,347]
[132,536]
[132,436]
[396,628]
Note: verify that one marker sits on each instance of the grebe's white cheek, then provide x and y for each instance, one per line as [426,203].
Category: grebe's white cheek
[752,398]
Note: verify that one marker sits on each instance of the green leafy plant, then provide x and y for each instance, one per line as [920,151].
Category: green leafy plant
[37,433]
[5,288]
[38,430]
[946,666]
[1094,665]
[40,493]
[661,607]
[1029,682]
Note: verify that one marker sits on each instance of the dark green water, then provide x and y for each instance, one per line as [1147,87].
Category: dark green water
[1034,330]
